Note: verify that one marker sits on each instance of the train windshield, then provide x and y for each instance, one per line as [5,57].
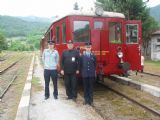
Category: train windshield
[81,31]
[115,32]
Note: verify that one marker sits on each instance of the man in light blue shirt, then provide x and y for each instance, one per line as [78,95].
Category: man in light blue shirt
[50,60]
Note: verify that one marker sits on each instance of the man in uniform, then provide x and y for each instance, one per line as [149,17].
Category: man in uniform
[50,60]
[70,67]
[88,71]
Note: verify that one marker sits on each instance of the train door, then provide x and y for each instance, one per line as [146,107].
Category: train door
[133,43]
[115,39]
[100,43]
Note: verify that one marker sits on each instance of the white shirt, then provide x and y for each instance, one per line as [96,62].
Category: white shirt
[142,60]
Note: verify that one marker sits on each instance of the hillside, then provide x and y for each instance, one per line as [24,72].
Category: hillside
[39,19]
[154,11]
[13,26]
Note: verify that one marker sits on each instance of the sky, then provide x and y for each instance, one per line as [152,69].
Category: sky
[47,8]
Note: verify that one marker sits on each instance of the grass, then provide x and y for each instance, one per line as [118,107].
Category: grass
[152,62]
[36,85]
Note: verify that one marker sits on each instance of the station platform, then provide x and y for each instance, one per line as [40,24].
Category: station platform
[60,109]
[153,90]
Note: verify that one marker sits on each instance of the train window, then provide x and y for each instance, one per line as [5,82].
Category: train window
[98,25]
[81,31]
[132,33]
[57,34]
[64,33]
[115,32]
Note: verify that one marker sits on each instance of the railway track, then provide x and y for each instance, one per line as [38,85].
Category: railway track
[7,87]
[8,77]
[131,99]
[14,63]
[152,74]
[4,57]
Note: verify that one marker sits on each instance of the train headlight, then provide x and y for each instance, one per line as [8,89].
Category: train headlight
[120,54]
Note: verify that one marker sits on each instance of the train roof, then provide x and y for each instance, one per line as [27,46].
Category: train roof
[93,14]
[90,13]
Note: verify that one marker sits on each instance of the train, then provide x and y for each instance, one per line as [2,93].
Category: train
[116,42]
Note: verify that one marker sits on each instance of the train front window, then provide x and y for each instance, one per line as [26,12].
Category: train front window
[98,25]
[81,31]
[115,32]
[132,33]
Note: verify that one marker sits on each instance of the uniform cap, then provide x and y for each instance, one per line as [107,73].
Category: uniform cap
[88,44]
[51,42]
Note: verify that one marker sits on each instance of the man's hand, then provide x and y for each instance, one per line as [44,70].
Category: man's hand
[62,72]
[77,71]
[58,67]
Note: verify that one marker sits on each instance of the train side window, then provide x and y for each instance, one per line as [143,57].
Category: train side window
[57,34]
[64,33]
[132,33]
[98,25]
[115,32]
[81,31]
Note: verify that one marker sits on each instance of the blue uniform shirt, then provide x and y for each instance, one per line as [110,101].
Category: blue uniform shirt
[50,59]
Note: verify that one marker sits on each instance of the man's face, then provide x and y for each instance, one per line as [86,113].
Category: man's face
[88,48]
[50,46]
[70,46]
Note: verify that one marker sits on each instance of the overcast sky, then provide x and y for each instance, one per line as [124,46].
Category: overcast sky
[46,8]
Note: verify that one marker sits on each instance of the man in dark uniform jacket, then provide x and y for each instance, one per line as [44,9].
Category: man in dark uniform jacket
[88,71]
[70,67]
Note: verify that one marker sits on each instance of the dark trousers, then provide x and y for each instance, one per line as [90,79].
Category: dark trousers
[88,89]
[71,85]
[47,75]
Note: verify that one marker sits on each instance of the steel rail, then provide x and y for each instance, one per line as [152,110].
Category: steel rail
[4,70]
[5,90]
[151,74]
[132,100]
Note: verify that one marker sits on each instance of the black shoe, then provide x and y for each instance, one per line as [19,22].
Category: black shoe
[46,97]
[55,97]
[91,104]
[69,98]
[74,99]
[85,103]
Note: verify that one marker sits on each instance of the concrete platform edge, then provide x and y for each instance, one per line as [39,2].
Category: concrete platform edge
[155,91]
[23,108]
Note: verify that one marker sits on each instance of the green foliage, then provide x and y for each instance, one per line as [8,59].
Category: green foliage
[13,26]
[23,35]
[3,43]
[20,46]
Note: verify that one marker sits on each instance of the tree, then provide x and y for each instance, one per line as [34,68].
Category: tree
[134,10]
[3,43]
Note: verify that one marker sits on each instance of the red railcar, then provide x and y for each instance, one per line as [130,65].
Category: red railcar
[116,42]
